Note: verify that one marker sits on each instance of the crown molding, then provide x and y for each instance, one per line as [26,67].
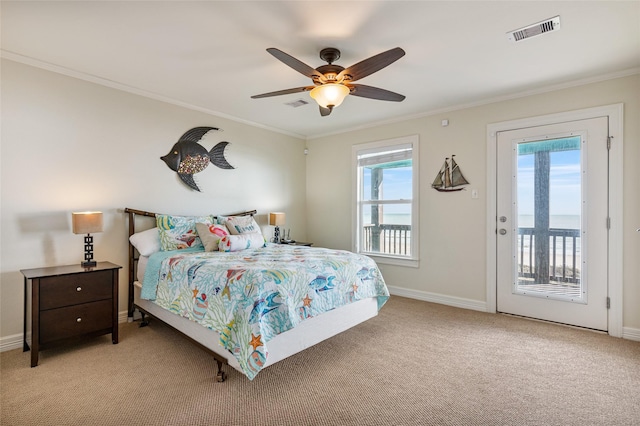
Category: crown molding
[155,96]
[516,95]
[133,90]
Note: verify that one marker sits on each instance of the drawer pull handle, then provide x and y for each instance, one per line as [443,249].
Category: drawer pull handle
[78,288]
[78,319]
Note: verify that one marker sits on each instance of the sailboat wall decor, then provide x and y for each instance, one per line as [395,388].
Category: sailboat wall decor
[450,177]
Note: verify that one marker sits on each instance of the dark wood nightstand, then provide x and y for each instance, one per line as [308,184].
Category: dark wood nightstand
[297,243]
[64,303]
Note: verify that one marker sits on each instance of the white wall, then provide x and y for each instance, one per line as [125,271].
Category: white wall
[452,226]
[70,145]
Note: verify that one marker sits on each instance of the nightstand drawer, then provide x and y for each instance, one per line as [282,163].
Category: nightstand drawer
[56,324]
[73,289]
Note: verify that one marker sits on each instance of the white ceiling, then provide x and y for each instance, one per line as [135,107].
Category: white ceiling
[211,55]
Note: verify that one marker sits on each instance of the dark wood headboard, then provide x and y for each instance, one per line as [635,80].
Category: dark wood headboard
[133,258]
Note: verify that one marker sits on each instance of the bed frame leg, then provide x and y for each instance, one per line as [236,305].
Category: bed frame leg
[143,322]
[220,376]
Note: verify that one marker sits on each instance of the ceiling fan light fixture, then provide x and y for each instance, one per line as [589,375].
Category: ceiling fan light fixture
[332,83]
[329,94]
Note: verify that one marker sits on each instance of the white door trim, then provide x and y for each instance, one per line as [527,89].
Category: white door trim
[615,114]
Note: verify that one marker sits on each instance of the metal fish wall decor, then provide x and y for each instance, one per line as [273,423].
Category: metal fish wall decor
[188,157]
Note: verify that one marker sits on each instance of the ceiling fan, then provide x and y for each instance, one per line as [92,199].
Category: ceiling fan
[332,83]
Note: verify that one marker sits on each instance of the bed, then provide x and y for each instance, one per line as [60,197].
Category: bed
[252,306]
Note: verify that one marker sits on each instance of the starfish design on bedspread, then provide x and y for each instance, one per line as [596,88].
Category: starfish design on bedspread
[307,301]
[256,341]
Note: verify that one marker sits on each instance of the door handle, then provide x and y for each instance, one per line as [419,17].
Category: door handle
[502,231]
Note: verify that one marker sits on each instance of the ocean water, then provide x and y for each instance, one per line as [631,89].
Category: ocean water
[392,219]
[563,221]
[524,221]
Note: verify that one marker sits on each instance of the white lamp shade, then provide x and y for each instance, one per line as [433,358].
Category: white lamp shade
[86,222]
[329,94]
[276,219]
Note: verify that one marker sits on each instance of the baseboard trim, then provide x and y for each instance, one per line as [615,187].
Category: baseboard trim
[9,343]
[631,333]
[457,302]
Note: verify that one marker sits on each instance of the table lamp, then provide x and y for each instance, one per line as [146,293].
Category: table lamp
[276,219]
[87,223]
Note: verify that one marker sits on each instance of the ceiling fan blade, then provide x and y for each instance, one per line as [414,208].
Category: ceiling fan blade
[374,93]
[372,64]
[283,92]
[325,111]
[297,65]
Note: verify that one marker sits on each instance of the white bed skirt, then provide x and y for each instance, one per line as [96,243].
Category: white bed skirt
[306,334]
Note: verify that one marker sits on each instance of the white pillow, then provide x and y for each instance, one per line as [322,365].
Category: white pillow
[211,235]
[241,242]
[146,242]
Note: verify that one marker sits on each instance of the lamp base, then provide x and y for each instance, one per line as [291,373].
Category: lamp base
[88,252]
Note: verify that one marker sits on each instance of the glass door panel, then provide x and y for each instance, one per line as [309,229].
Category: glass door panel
[549,217]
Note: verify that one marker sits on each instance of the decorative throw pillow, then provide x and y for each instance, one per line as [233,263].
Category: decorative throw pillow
[242,225]
[241,242]
[179,232]
[146,242]
[211,235]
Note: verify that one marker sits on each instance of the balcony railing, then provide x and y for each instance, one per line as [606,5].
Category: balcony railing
[563,258]
[387,239]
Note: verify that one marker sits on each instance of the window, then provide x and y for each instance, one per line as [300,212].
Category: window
[386,200]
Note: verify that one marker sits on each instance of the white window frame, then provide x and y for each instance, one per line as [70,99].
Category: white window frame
[413,141]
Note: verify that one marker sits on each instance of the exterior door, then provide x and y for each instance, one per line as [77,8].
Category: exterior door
[552,216]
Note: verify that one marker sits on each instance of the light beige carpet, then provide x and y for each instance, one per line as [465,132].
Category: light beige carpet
[417,363]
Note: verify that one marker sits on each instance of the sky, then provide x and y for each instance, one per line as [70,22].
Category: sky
[396,185]
[564,183]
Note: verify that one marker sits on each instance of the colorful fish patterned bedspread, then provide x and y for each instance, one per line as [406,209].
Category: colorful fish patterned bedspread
[251,296]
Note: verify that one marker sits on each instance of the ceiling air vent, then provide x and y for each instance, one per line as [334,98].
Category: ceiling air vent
[297,103]
[552,24]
